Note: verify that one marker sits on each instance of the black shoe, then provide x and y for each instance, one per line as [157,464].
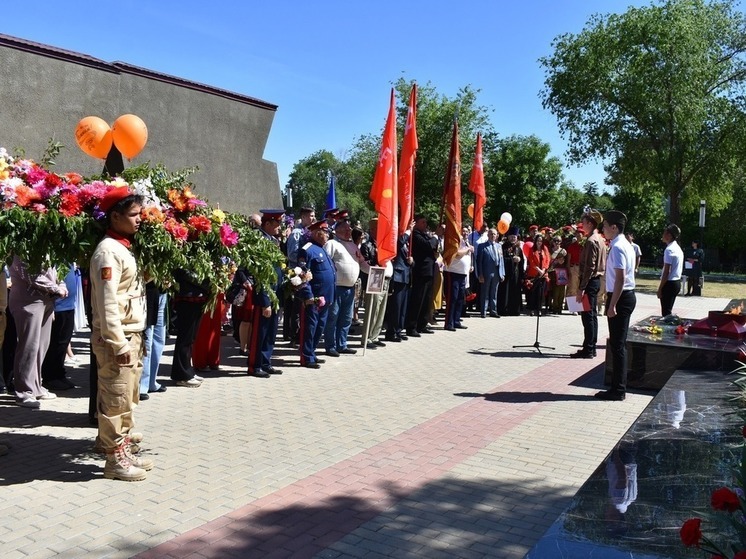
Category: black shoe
[58,384]
[397,339]
[258,373]
[494,315]
[144,397]
[427,331]
[271,370]
[582,354]
[348,351]
[611,395]
[412,334]
[404,337]
[371,345]
[449,328]
[461,327]
[379,343]
[161,389]
[319,360]
[312,365]
[332,353]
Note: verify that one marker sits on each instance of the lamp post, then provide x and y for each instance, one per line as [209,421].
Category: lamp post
[702,212]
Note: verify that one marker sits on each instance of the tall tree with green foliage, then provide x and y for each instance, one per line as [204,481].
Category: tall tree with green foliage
[658,92]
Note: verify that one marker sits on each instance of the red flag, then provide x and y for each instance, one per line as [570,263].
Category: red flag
[452,200]
[383,192]
[476,185]
[406,164]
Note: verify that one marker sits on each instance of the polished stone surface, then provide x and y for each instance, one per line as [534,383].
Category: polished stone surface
[662,472]
[653,357]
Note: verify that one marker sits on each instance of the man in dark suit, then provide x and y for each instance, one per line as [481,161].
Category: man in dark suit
[423,253]
[396,307]
[491,273]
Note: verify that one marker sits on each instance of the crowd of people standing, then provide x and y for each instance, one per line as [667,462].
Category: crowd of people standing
[328,263]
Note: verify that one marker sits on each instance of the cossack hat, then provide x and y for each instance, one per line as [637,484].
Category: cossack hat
[342,215]
[331,212]
[514,231]
[319,225]
[268,215]
[114,195]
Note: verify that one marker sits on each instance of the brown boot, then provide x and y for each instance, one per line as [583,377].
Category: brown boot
[137,461]
[118,466]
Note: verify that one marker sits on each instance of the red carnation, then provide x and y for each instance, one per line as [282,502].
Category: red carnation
[200,223]
[690,532]
[70,204]
[725,499]
[176,229]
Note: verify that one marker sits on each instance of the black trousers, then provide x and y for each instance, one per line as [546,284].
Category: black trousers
[188,315]
[668,296]
[63,325]
[618,328]
[396,309]
[590,318]
[420,298]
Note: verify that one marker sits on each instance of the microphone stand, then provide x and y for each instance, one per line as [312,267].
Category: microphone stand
[539,304]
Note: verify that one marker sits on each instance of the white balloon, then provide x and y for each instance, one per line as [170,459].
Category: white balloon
[506,217]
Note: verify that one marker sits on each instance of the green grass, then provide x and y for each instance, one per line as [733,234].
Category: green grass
[710,289]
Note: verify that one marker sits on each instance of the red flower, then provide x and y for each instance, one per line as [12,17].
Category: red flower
[176,229]
[200,223]
[73,178]
[70,204]
[690,532]
[725,499]
[25,195]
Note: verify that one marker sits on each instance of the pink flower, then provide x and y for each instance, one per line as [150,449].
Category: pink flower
[320,301]
[92,192]
[228,236]
[35,175]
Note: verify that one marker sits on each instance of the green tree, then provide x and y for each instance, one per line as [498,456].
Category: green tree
[657,91]
[309,180]
[523,179]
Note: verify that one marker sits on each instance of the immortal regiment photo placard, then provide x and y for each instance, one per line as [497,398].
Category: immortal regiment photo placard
[375,280]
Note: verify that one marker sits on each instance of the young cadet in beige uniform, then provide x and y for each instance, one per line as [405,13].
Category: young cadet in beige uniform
[118,305]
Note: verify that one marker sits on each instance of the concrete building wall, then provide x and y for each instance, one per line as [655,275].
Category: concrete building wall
[44,92]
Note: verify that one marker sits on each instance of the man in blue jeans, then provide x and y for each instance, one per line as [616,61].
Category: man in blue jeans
[346,256]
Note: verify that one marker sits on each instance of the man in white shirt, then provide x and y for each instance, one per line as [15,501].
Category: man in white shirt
[636,248]
[620,300]
[455,274]
[673,264]
[347,263]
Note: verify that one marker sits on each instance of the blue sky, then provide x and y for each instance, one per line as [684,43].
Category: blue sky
[329,65]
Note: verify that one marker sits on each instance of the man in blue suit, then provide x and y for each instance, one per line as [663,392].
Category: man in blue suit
[491,273]
[264,330]
[313,257]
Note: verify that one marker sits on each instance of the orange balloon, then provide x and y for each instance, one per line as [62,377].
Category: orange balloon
[470,210]
[93,136]
[130,135]
[502,226]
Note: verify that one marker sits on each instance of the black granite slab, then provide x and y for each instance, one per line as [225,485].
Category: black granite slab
[663,470]
[653,358]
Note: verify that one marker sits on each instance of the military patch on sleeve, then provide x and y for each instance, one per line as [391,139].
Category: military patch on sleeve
[307,246]
[106,274]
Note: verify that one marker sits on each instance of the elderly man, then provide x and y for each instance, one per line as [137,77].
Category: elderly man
[346,257]
[313,258]
[491,271]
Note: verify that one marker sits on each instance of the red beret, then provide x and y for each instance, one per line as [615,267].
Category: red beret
[112,197]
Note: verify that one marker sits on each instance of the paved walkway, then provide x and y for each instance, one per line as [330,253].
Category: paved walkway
[450,445]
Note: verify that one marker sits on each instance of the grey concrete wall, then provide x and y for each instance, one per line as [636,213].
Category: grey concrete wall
[43,97]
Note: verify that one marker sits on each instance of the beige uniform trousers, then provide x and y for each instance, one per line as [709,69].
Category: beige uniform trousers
[118,390]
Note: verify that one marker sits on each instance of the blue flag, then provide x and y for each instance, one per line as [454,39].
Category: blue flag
[331,196]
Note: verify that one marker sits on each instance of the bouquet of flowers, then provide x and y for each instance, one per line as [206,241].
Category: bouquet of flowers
[296,277]
[51,219]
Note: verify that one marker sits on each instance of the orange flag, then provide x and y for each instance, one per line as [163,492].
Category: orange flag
[476,185]
[406,164]
[452,200]
[383,192]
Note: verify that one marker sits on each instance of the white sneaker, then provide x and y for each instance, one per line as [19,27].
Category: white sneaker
[47,396]
[29,402]
[191,383]
[198,378]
